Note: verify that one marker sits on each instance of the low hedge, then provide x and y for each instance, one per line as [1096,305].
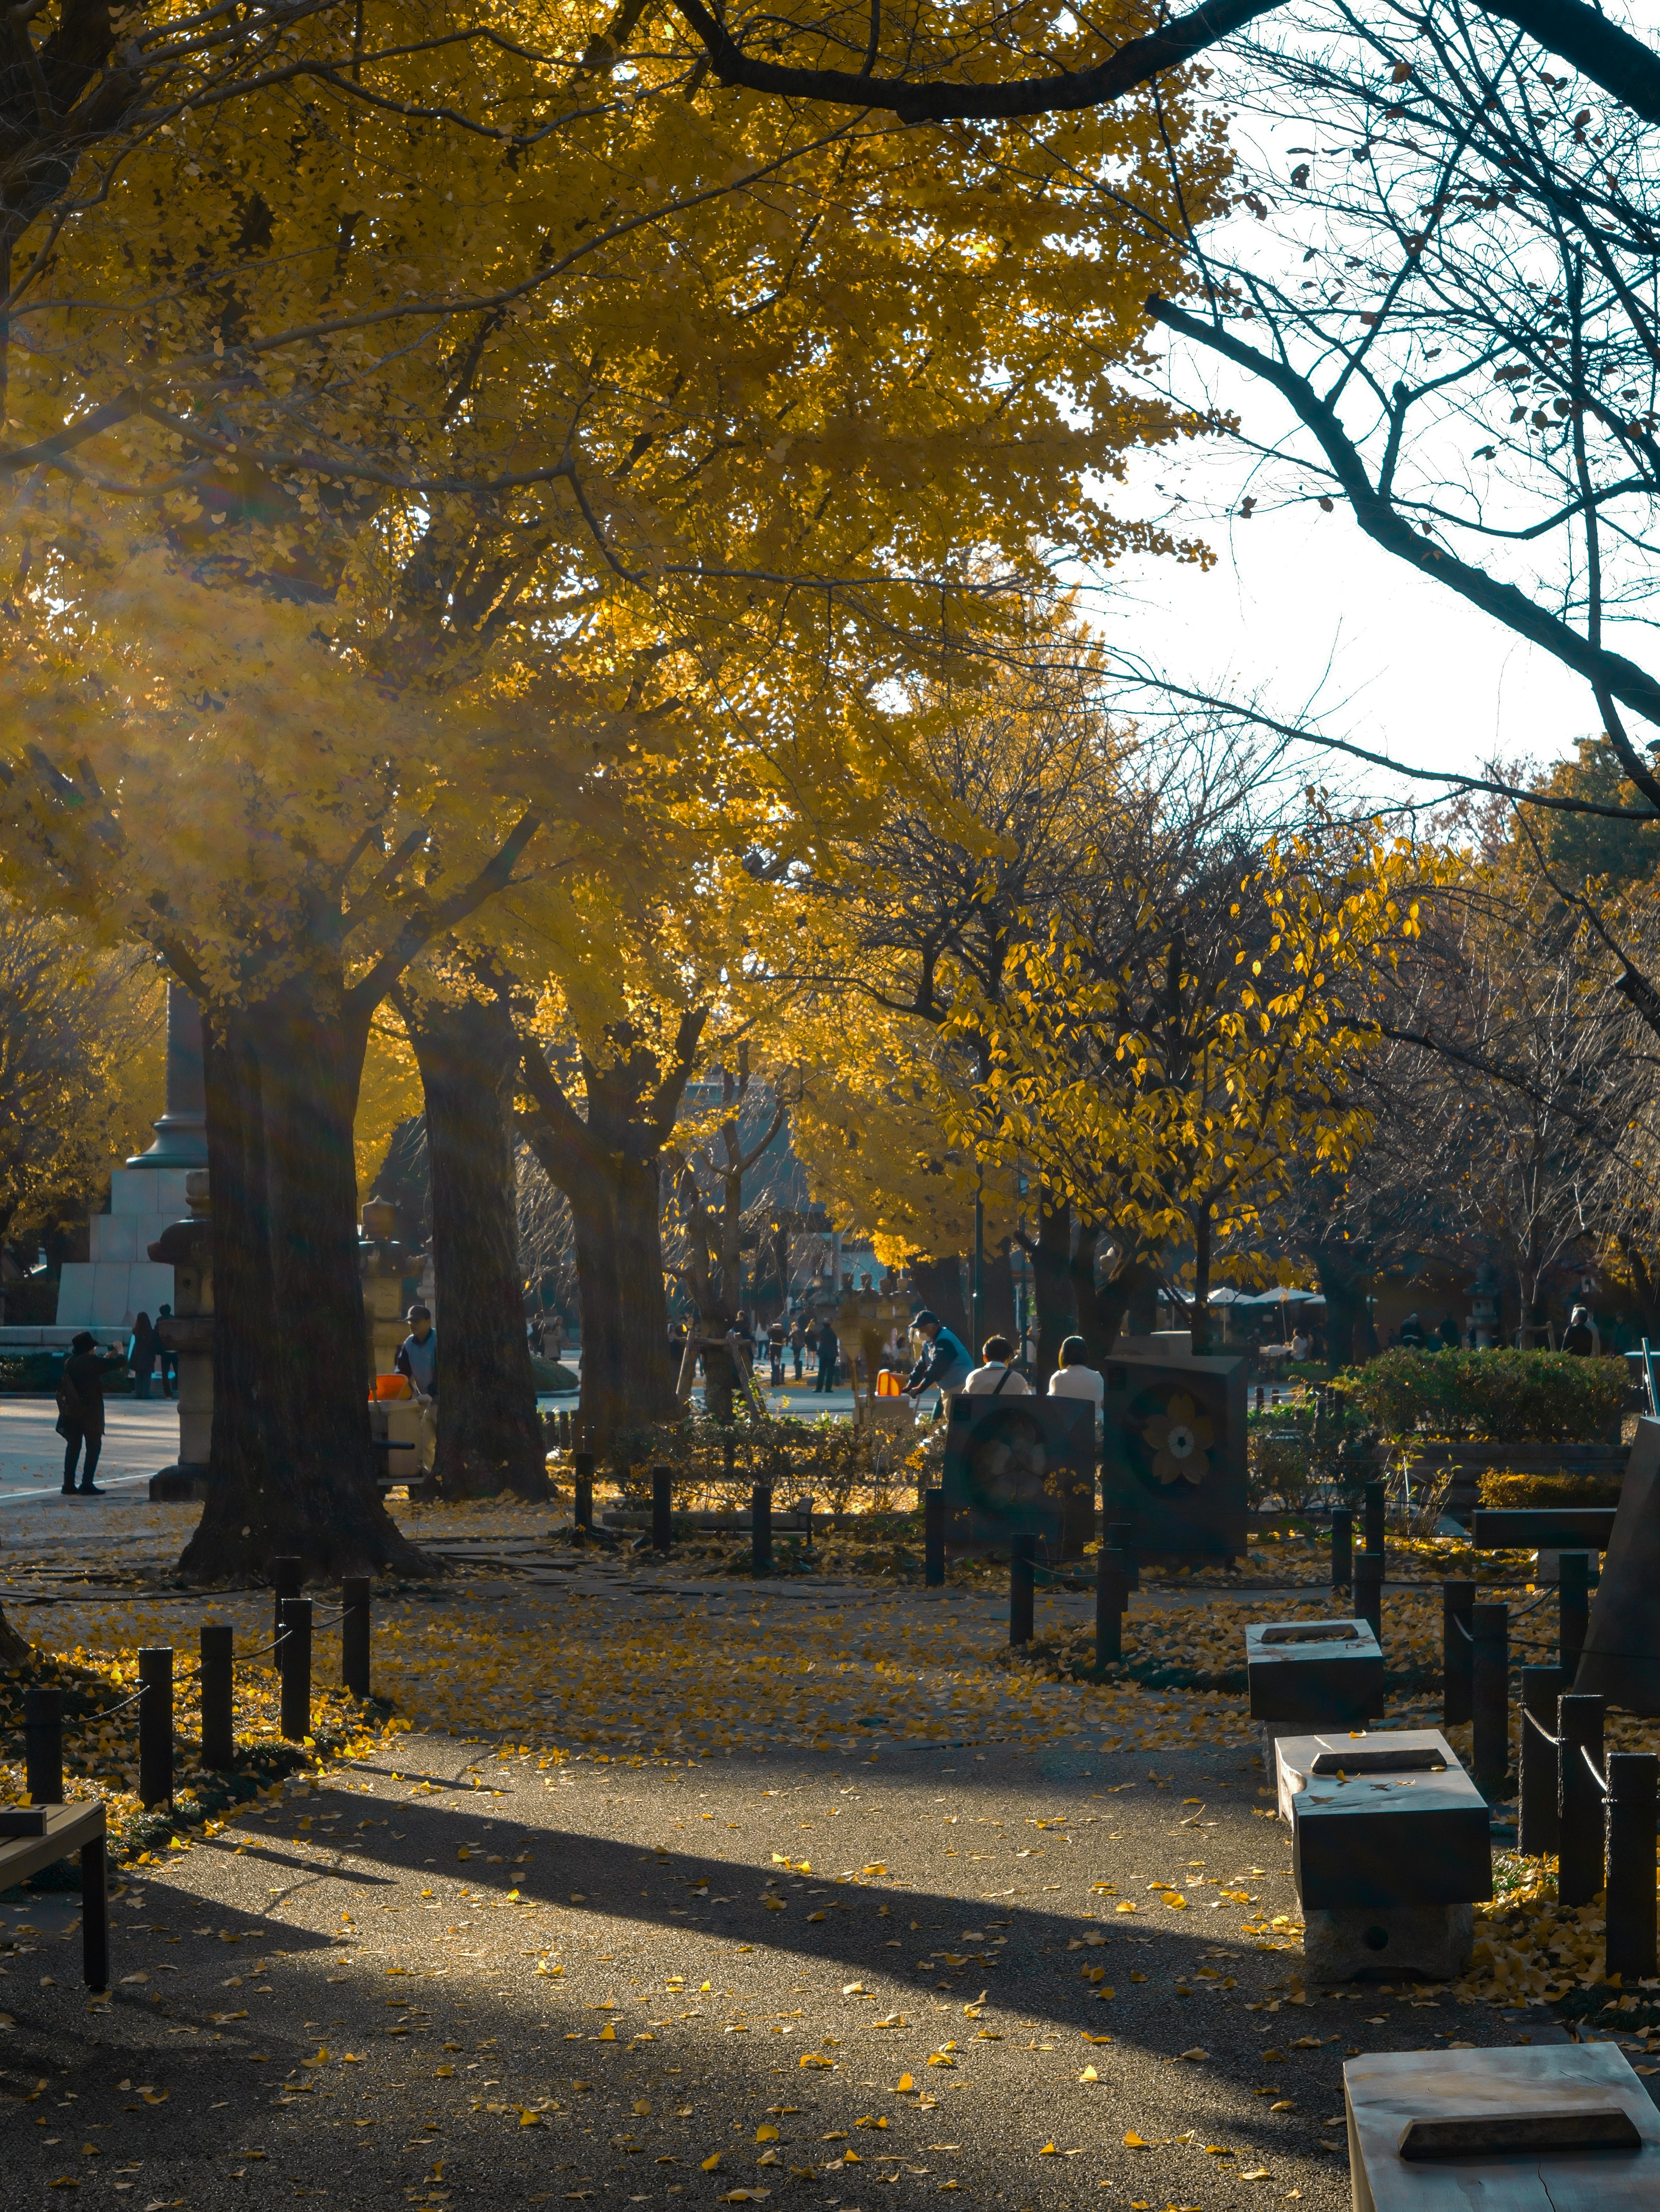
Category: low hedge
[1489,1397]
[1499,1487]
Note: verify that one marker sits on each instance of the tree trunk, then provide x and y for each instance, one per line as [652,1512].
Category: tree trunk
[938,1285]
[1347,1314]
[1199,1305]
[1102,1307]
[489,1432]
[14,1648]
[291,1464]
[997,1299]
[1051,1254]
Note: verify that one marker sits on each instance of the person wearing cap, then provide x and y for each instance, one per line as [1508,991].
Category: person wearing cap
[80,1411]
[416,1358]
[944,1365]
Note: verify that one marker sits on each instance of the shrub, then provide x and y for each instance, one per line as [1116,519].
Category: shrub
[1501,1487]
[1490,1397]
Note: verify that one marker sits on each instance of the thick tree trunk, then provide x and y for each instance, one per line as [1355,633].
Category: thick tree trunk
[1348,1320]
[489,1432]
[1051,1254]
[14,1648]
[997,1299]
[1199,1304]
[292,1468]
[939,1287]
[614,1207]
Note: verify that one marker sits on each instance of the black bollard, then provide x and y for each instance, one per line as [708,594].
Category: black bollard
[155,1726]
[1023,1554]
[1120,1537]
[1111,1596]
[583,1471]
[294,1657]
[217,1655]
[1367,1603]
[1573,1609]
[1628,1912]
[1490,1700]
[1457,1654]
[356,1627]
[1538,1830]
[933,1539]
[761,1529]
[662,1509]
[286,1577]
[1342,1548]
[43,1746]
[1373,1516]
[564,1429]
[95,1913]
[1579,1799]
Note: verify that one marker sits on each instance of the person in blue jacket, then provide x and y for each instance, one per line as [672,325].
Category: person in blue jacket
[944,1362]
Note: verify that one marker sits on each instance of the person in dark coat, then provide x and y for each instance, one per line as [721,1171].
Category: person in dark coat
[80,1413]
[143,1352]
[828,1346]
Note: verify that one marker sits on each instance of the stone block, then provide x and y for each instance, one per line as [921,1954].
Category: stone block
[1322,1673]
[1173,1451]
[1546,2094]
[179,1486]
[1394,1942]
[1384,1819]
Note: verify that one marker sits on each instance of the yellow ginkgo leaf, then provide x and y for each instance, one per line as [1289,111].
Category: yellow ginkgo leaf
[904,2083]
[443,2072]
[709,2164]
[462,1852]
[607,2034]
[1089,2074]
[1134,2142]
[766,2133]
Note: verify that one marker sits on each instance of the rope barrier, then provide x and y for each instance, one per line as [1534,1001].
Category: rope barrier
[1538,1726]
[1597,1776]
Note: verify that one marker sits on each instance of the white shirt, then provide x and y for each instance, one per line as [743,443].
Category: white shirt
[983,1382]
[1077,1382]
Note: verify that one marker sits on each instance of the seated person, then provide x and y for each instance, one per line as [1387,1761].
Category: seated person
[1074,1377]
[996,1378]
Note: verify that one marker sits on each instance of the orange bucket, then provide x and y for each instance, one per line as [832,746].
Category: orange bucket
[887,1383]
[392,1386]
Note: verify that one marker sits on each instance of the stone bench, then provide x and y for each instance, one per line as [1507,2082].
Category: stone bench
[33,1837]
[1305,1674]
[1567,2128]
[1390,1849]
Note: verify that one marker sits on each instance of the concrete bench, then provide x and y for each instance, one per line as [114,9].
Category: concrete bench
[36,1836]
[1321,1674]
[1390,1849]
[1568,2127]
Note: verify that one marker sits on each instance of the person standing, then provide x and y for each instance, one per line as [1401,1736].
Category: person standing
[829,1349]
[944,1365]
[80,1411]
[416,1358]
[167,1358]
[1582,1336]
[142,1348]
[798,1345]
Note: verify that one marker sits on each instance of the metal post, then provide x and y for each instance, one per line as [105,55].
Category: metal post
[286,1577]
[582,1470]
[933,1539]
[1628,1911]
[155,1726]
[1490,1699]
[1111,1596]
[1342,1548]
[1579,1800]
[218,1654]
[1373,1511]
[1457,1658]
[662,1509]
[1573,1609]
[43,1746]
[1120,1537]
[294,1658]
[95,1914]
[356,1623]
[761,1529]
[1367,1603]
[977,1276]
[1538,1830]
[1023,1554]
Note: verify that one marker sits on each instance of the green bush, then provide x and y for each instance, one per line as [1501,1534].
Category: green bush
[1502,1487]
[1489,1397]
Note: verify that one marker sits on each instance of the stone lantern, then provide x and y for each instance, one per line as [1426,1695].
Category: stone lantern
[186,1247]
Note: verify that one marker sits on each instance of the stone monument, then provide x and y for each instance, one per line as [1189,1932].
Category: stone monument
[185,1249]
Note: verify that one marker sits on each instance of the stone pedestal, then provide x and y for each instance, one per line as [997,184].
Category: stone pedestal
[1358,1943]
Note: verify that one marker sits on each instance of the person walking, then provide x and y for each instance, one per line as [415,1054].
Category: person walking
[829,1348]
[80,1411]
[143,1347]
[997,1377]
[167,1358]
[798,1345]
[416,1358]
[1582,1336]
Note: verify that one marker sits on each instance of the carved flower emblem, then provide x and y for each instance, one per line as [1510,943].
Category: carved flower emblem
[1180,1439]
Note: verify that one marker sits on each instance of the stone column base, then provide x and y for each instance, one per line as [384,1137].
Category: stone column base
[179,1486]
[1353,1943]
